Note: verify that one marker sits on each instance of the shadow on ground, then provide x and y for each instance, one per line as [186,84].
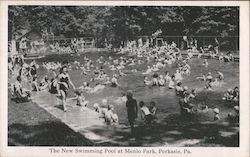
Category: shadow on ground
[175,131]
[45,134]
[30,125]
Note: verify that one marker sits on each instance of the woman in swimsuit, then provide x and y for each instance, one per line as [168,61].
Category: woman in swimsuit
[64,81]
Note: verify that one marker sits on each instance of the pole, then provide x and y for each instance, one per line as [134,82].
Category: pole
[203,42]
[178,41]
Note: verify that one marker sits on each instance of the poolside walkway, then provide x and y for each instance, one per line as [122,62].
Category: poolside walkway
[88,123]
[76,118]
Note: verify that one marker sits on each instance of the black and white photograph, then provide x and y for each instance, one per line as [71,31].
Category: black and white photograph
[124,76]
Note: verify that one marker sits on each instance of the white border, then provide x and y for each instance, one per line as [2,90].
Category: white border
[242,151]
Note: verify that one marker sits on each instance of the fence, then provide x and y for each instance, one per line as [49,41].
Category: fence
[229,43]
[82,42]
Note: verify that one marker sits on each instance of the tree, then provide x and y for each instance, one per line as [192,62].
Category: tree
[121,23]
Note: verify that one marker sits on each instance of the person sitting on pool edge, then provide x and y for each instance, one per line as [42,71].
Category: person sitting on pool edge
[100,110]
[80,99]
[145,113]
[22,94]
[44,83]
[110,117]
[153,109]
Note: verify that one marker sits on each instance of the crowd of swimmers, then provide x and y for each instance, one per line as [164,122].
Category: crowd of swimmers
[107,72]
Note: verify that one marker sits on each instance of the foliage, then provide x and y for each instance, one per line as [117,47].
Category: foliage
[121,23]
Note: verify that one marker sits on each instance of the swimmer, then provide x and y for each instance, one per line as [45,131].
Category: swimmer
[228,95]
[107,81]
[179,89]
[236,93]
[147,82]
[161,80]
[209,84]
[148,71]
[167,76]
[171,82]
[202,78]
[205,63]
[155,80]
[221,57]
[99,87]
[178,76]
[209,77]
[114,81]
[216,114]
[220,76]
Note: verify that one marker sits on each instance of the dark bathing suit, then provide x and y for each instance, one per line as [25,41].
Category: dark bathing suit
[62,86]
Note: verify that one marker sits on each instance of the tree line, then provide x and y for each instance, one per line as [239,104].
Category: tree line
[121,23]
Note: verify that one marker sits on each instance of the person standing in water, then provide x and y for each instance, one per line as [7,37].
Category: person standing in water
[64,81]
[132,110]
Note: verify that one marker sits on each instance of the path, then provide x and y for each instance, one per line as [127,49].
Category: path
[76,118]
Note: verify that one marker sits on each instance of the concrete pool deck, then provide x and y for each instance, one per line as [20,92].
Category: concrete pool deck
[88,123]
[76,118]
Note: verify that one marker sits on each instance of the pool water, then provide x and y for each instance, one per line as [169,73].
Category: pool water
[166,99]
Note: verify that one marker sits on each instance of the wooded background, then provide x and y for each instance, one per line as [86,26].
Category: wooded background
[114,24]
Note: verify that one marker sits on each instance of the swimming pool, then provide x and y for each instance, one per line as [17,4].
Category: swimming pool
[166,99]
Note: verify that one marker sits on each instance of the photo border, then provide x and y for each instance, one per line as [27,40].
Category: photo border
[26,151]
